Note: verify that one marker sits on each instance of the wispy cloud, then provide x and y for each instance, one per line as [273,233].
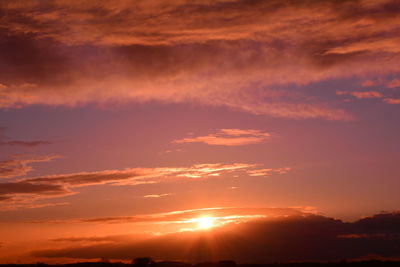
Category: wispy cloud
[267,172]
[24,143]
[395,83]
[361,94]
[157,195]
[222,215]
[228,137]
[392,100]
[26,191]
[370,94]
[5,141]
[19,165]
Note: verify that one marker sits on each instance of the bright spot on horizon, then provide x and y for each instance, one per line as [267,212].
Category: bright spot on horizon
[205,222]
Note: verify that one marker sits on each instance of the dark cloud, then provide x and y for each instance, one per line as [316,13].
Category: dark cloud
[25,143]
[100,239]
[230,53]
[305,237]
[4,141]
[29,188]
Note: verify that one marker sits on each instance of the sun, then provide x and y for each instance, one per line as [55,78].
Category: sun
[205,222]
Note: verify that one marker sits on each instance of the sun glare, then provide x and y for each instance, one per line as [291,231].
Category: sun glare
[205,222]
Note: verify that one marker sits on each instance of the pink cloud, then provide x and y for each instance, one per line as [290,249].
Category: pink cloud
[217,53]
[157,195]
[393,83]
[392,100]
[367,94]
[19,165]
[228,137]
[28,192]
[361,94]
[368,83]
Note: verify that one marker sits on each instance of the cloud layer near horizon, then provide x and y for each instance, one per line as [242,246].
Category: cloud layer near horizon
[295,237]
[236,54]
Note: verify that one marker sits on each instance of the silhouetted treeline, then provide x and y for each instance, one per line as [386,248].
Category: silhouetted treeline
[148,262]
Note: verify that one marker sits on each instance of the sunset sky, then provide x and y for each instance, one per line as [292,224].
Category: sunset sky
[199,130]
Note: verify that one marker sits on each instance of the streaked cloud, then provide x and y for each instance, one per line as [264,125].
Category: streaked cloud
[392,100]
[222,215]
[24,143]
[228,137]
[20,165]
[23,205]
[267,172]
[395,83]
[368,83]
[26,192]
[361,94]
[157,195]
[370,94]
[4,140]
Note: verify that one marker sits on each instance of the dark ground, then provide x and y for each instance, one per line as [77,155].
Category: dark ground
[143,262]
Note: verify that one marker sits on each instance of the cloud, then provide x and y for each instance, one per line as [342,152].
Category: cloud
[24,192]
[245,55]
[368,83]
[267,172]
[187,218]
[97,239]
[25,143]
[367,94]
[296,237]
[392,100]
[393,83]
[157,195]
[134,176]
[19,165]
[228,137]
[15,205]
[4,141]
[363,94]
[370,94]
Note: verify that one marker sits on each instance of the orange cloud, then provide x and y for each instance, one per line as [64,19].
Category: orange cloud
[157,195]
[393,83]
[294,237]
[25,192]
[267,172]
[392,100]
[221,214]
[361,94]
[228,137]
[19,165]
[368,83]
[367,94]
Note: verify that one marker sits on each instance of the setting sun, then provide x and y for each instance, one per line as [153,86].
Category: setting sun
[205,222]
[190,133]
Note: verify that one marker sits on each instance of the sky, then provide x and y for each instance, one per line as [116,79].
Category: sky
[193,130]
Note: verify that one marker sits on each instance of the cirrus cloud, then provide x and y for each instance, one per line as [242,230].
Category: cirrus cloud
[228,137]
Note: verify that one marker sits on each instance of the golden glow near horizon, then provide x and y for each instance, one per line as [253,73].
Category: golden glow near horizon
[205,222]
